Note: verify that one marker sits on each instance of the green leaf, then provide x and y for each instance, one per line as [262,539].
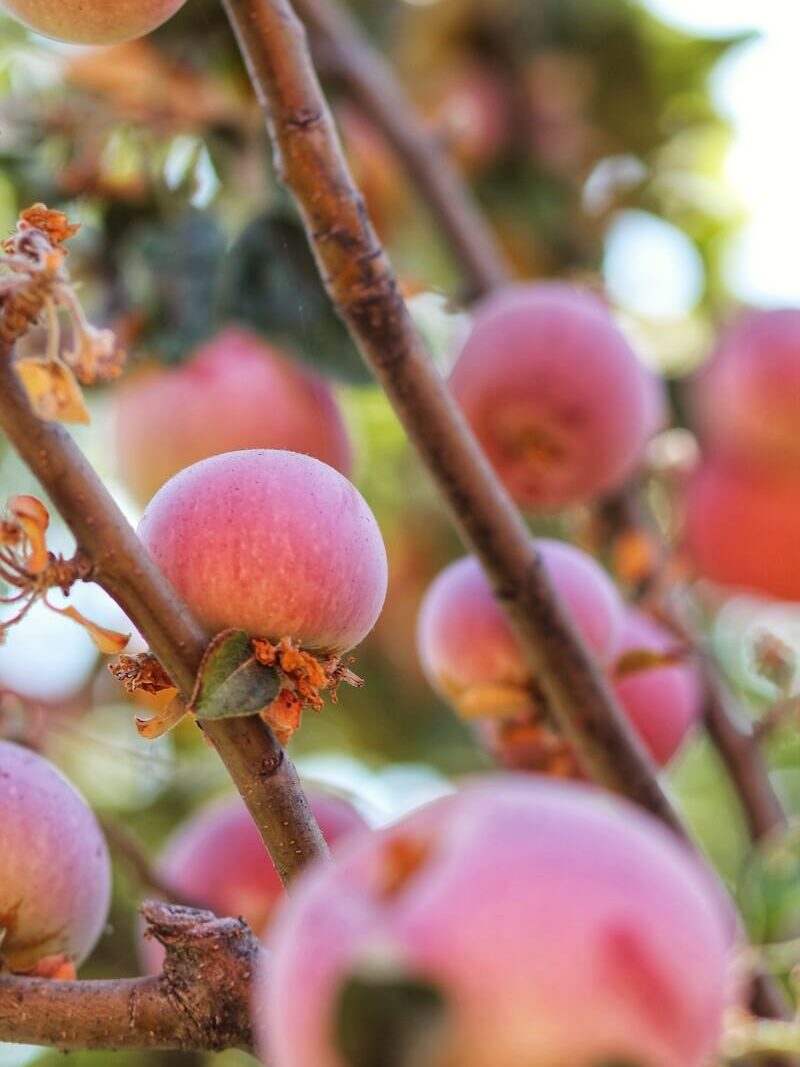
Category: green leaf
[231,683]
[270,282]
[171,269]
[388,1021]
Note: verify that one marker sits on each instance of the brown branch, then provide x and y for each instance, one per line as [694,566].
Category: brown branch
[200,1001]
[738,746]
[763,813]
[361,284]
[370,80]
[265,777]
[621,515]
[734,740]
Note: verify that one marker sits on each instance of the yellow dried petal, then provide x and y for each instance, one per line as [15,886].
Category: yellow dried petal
[110,642]
[163,721]
[492,701]
[34,518]
[53,390]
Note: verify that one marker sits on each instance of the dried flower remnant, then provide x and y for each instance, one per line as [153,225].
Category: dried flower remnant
[142,672]
[304,677]
[775,660]
[32,570]
[529,742]
[35,287]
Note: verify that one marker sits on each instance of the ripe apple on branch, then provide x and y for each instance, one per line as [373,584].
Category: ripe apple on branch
[561,914]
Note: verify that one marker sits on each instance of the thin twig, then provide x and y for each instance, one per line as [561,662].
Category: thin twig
[738,746]
[733,738]
[265,777]
[363,288]
[200,1001]
[370,80]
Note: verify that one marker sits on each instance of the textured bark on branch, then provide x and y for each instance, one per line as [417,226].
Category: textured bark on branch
[199,1002]
[369,80]
[362,286]
[264,776]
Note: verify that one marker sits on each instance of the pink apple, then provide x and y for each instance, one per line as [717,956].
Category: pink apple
[747,397]
[468,650]
[555,394]
[236,392]
[92,21]
[217,860]
[55,874]
[271,542]
[558,925]
[662,701]
[742,528]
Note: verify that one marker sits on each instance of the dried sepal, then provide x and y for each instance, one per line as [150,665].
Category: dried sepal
[55,968]
[636,556]
[109,642]
[142,672]
[283,715]
[774,660]
[163,721]
[229,683]
[34,265]
[493,700]
[55,225]
[32,570]
[95,355]
[529,742]
[32,518]
[304,678]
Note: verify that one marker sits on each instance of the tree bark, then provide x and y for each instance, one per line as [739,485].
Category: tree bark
[361,284]
[200,1001]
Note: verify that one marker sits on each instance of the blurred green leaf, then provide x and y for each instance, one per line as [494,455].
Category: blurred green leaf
[171,267]
[271,283]
[769,889]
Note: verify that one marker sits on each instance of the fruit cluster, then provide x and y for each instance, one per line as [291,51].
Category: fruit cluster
[474,661]
[521,920]
[564,409]
[742,505]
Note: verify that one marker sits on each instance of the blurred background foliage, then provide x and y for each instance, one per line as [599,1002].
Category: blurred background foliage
[591,133]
